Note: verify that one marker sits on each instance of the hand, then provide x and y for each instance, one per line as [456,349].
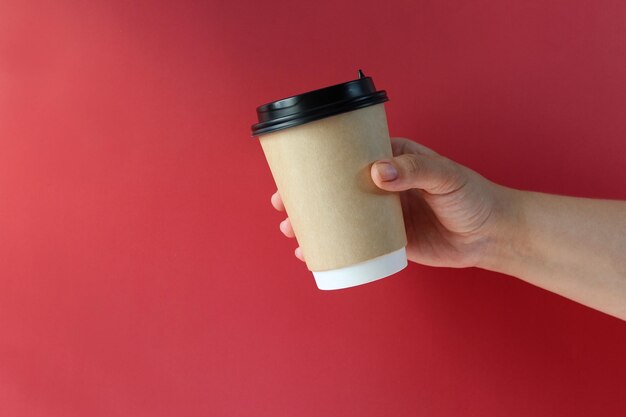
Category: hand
[456,218]
[450,212]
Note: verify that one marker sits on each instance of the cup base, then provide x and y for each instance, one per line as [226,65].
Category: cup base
[363,272]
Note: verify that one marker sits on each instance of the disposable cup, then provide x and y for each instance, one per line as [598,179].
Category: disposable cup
[320,147]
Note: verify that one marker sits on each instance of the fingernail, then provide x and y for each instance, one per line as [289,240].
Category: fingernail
[386,171]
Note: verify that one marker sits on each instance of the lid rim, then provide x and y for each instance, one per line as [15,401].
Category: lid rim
[317,104]
[300,119]
[321,108]
[266,107]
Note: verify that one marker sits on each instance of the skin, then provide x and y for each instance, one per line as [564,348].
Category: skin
[454,217]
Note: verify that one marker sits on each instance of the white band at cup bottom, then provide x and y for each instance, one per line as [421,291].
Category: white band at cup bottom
[363,272]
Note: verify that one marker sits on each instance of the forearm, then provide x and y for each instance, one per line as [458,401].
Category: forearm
[574,247]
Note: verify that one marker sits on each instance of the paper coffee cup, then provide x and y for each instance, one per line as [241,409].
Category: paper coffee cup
[320,147]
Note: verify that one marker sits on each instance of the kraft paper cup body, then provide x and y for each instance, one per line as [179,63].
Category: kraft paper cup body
[350,231]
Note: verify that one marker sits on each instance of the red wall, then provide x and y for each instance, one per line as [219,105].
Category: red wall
[142,271]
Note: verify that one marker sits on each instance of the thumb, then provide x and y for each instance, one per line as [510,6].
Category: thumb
[431,173]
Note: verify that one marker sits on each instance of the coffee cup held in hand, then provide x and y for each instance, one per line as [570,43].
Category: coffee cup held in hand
[320,146]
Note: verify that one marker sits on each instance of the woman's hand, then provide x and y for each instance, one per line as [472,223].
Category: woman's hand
[450,211]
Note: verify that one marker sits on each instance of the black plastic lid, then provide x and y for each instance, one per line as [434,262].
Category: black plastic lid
[317,104]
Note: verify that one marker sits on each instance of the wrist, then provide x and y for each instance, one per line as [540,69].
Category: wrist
[506,236]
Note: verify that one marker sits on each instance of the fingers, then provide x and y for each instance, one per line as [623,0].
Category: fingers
[285,225]
[400,146]
[286,228]
[277,202]
[431,173]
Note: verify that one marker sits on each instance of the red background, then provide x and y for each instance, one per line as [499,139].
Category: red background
[142,269]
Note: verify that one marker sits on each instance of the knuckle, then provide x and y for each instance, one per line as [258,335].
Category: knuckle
[412,165]
[454,175]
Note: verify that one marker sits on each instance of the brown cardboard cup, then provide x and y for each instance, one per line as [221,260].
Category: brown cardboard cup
[350,231]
